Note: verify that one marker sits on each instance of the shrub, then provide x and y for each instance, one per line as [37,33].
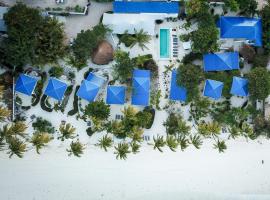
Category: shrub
[43,125]
[75,103]
[56,72]
[89,131]
[43,104]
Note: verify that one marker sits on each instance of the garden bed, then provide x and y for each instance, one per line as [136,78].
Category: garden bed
[75,103]
[43,104]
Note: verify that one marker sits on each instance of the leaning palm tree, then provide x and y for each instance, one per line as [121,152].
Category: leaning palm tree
[196,141]
[172,143]
[76,148]
[141,38]
[105,142]
[221,146]
[234,132]
[159,143]
[183,142]
[122,150]
[40,140]
[4,113]
[16,147]
[135,147]
[67,132]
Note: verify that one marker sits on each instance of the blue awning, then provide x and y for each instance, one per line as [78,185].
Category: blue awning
[141,87]
[213,89]
[221,61]
[116,95]
[25,84]
[239,86]
[95,79]
[241,28]
[56,89]
[146,7]
[177,92]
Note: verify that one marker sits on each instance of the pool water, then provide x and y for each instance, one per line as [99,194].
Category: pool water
[164,38]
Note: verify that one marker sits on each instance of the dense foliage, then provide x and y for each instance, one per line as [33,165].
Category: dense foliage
[98,110]
[265,15]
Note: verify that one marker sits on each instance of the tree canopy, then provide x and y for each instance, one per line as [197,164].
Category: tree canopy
[98,110]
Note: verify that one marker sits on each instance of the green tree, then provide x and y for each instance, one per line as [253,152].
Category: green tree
[140,38]
[175,125]
[220,146]
[196,141]
[40,140]
[122,149]
[56,71]
[105,142]
[172,142]
[16,147]
[232,4]
[247,7]
[265,15]
[196,8]
[43,125]
[183,142]
[76,148]
[67,131]
[98,110]
[259,83]
[4,113]
[159,143]
[190,77]
[199,108]
[135,147]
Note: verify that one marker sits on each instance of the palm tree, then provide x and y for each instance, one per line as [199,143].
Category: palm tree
[40,140]
[105,142]
[19,128]
[136,134]
[221,146]
[141,60]
[141,38]
[234,132]
[196,141]
[159,143]
[16,147]
[135,147]
[129,112]
[183,142]
[76,148]
[4,113]
[172,143]
[1,91]
[122,150]
[67,131]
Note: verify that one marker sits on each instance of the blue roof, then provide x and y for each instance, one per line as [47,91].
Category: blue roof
[213,89]
[239,86]
[177,92]
[141,87]
[95,79]
[88,90]
[116,95]
[146,7]
[56,89]
[221,61]
[25,84]
[241,27]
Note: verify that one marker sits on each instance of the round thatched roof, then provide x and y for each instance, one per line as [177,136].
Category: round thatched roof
[103,54]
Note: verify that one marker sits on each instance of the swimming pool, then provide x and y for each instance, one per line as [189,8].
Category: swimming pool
[164,43]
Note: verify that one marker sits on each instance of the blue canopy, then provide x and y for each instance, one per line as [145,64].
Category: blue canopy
[145,7]
[177,92]
[88,90]
[213,89]
[239,86]
[95,79]
[141,87]
[241,27]
[25,84]
[56,89]
[221,61]
[116,95]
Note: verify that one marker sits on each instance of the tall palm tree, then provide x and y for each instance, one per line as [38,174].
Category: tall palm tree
[4,113]
[183,142]
[67,132]
[234,132]
[16,147]
[141,38]
[172,142]
[141,60]
[159,143]
[221,146]
[105,142]
[135,147]
[196,141]
[122,150]
[76,148]
[40,140]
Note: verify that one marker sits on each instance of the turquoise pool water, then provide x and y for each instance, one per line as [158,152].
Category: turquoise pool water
[164,38]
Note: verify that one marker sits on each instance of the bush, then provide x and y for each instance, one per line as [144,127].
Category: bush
[89,131]
[43,125]
[43,104]
[75,103]
[189,58]
[56,72]
[260,60]
[146,117]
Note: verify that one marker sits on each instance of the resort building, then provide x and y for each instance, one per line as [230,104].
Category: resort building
[239,86]
[213,89]
[25,84]
[177,93]
[55,89]
[141,87]
[116,95]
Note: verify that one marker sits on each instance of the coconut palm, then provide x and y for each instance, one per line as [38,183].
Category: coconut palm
[141,38]
[16,147]
[40,140]
[183,142]
[141,60]
[234,132]
[67,132]
[248,131]
[130,112]
[135,147]
[76,148]
[19,128]
[136,134]
[221,146]
[172,142]
[105,142]
[122,150]
[159,143]
[196,141]
[4,113]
